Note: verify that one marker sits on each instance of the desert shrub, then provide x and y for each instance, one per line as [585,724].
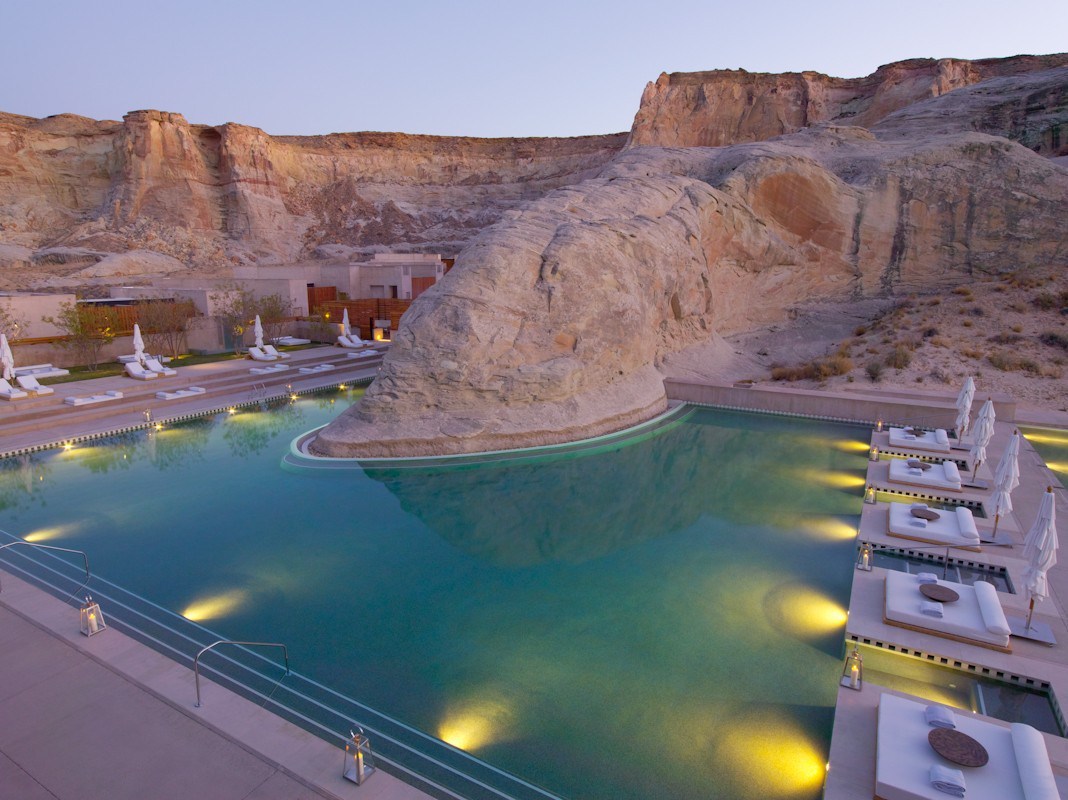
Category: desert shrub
[1007,362]
[968,352]
[1054,339]
[872,350]
[1047,301]
[938,341]
[860,330]
[977,311]
[1019,308]
[941,375]
[935,301]
[1000,288]
[966,323]
[930,332]
[962,290]
[1017,328]
[874,369]
[1004,338]
[817,369]
[899,358]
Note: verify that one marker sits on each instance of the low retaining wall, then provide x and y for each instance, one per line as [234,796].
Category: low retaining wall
[925,409]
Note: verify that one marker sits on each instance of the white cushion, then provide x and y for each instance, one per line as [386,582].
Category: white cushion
[941,436]
[1032,761]
[952,473]
[990,608]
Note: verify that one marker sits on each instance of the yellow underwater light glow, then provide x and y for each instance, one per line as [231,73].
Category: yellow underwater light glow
[771,756]
[217,606]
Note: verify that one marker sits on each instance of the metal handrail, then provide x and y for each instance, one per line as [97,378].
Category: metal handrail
[196,661]
[50,547]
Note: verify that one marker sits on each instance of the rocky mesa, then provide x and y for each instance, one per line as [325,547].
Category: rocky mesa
[737,197]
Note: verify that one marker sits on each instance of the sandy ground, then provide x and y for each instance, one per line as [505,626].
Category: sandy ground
[1009,332]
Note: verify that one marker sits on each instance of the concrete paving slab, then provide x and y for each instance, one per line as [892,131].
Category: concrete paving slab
[17,783]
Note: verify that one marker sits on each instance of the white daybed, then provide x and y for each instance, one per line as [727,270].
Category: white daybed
[1018,768]
[352,341]
[96,398]
[936,441]
[271,350]
[41,371]
[940,476]
[9,392]
[954,527]
[256,354]
[976,618]
[153,365]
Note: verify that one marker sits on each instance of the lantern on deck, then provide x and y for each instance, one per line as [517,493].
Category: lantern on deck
[359,762]
[873,454]
[91,617]
[853,671]
[869,495]
[865,557]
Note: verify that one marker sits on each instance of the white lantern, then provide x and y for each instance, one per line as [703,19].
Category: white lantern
[359,762]
[92,618]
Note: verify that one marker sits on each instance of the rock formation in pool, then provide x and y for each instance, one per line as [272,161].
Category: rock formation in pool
[553,322]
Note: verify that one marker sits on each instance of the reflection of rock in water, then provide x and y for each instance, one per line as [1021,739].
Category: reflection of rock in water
[577,508]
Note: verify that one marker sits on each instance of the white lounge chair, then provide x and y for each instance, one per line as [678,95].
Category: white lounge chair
[975,618]
[153,365]
[1018,766]
[944,475]
[953,527]
[30,384]
[41,371]
[135,370]
[936,440]
[96,398]
[352,341]
[256,354]
[270,350]
[9,392]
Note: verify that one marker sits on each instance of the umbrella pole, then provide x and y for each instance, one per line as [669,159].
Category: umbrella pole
[997,517]
[1030,611]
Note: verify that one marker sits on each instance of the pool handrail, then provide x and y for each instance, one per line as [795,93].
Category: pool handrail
[196,660]
[85,558]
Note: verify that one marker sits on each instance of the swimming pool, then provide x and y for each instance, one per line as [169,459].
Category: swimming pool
[661,620]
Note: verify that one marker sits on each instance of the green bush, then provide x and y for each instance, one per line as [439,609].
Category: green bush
[899,358]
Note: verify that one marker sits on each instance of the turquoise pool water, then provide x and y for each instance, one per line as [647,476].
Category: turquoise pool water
[1052,445]
[661,620]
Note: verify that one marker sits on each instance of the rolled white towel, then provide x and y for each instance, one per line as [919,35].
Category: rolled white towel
[948,780]
[915,471]
[910,436]
[918,522]
[939,717]
[931,608]
[926,577]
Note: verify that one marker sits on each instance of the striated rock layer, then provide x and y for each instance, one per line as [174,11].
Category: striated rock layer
[552,323]
[212,196]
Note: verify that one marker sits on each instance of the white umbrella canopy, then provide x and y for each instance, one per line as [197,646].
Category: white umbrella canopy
[964,407]
[138,344]
[1006,478]
[257,329]
[7,359]
[345,323]
[1040,550]
[984,430]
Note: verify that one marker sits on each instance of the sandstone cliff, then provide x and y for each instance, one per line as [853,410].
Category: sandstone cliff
[554,320]
[215,196]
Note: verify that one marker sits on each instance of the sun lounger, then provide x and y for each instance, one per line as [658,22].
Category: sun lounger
[1018,766]
[96,398]
[9,392]
[269,369]
[290,341]
[29,383]
[177,394]
[944,475]
[954,527]
[352,341]
[135,370]
[271,351]
[256,354]
[316,368]
[41,371]
[153,365]
[937,440]
[975,618]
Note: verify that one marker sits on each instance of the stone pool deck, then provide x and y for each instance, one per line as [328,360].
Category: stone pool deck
[852,758]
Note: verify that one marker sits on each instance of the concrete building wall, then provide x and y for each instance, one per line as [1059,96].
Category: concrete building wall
[30,307]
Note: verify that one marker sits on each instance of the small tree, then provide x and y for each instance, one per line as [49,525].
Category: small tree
[86,331]
[275,311]
[12,324]
[235,308]
[163,325]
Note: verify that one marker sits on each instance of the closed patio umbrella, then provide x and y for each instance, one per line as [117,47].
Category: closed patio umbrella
[138,345]
[1006,478]
[964,407]
[257,329]
[1040,550]
[345,323]
[984,430]
[7,358]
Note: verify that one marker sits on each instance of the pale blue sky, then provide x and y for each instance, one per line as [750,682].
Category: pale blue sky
[469,67]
